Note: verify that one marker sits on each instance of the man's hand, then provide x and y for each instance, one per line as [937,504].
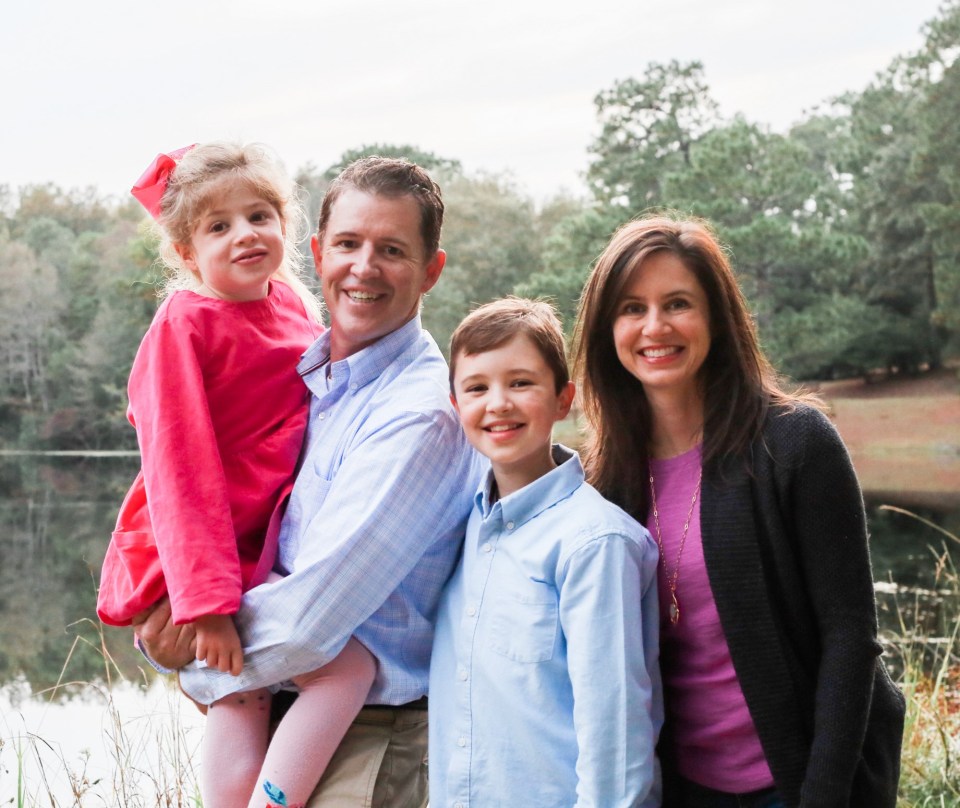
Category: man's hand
[218,643]
[168,645]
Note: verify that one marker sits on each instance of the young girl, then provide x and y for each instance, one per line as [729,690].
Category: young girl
[220,412]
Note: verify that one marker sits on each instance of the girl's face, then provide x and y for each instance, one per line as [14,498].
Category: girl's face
[237,245]
[662,326]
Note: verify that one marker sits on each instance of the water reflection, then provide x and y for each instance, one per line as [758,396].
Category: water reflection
[55,520]
[124,745]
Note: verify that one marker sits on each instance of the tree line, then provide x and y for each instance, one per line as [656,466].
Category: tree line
[845,233]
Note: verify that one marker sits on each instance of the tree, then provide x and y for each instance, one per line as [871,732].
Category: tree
[939,163]
[30,306]
[569,251]
[492,242]
[648,127]
[904,165]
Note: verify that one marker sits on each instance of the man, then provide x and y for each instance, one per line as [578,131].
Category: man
[376,518]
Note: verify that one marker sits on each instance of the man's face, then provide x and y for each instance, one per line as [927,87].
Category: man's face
[373,268]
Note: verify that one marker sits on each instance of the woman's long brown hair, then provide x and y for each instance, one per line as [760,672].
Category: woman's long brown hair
[737,380]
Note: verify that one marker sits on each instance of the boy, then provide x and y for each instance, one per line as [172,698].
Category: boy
[544,684]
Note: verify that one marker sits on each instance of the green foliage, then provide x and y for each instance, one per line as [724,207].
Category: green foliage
[569,250]
[837,336]
[493,244]
[648,128]
[71,317]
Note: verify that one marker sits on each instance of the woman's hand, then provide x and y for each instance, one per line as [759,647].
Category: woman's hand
[218,643]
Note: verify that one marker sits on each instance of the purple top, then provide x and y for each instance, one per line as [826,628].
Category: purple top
[716,742]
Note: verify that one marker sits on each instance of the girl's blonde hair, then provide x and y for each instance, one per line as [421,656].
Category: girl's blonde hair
[192,187]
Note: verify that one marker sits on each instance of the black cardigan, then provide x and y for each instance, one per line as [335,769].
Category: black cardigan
[785,545]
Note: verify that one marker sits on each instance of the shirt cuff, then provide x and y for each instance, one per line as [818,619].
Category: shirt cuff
[142,649]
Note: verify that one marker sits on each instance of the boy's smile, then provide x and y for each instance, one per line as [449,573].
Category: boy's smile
[508,403]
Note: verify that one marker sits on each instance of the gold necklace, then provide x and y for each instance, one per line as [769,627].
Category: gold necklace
[672,577]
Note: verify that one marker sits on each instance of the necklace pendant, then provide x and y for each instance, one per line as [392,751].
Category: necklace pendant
[674,611]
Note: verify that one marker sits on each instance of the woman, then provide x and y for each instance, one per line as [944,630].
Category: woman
[775,692]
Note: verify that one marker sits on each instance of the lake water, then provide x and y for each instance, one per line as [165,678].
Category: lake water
[79,709]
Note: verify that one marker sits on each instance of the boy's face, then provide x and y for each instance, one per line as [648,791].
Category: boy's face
[508,404]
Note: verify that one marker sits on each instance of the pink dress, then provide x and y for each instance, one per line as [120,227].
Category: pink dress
[220,412]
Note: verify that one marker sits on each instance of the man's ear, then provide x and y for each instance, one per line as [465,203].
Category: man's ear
[317,253]
[565,400]
[434,268]
[453,400]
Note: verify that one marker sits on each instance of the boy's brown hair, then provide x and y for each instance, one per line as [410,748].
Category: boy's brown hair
[493,324]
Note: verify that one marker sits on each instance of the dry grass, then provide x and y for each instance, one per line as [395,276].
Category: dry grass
[930,773]
[126,744]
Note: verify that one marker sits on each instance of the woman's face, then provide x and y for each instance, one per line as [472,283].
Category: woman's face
[661,328]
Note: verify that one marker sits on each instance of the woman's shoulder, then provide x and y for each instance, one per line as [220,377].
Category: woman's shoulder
[795,431]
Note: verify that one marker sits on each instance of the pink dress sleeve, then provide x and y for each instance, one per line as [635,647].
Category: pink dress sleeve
[184,480]
[220,412]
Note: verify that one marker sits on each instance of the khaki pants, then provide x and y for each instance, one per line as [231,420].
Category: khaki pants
[381,762]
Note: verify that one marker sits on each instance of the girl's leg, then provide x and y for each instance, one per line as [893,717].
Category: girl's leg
[313,727]
[234,746]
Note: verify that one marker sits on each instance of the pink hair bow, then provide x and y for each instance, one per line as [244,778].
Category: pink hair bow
[153,182]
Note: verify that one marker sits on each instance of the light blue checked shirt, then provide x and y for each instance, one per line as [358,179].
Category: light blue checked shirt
[373,527]
[545,685]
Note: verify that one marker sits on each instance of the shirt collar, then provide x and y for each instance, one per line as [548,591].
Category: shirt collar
[543,493]
[363,366]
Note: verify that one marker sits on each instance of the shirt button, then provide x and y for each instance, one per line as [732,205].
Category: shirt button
[353,386]
[487,547]
[463,675]
[461,741]
[458,805]
[509,525]
[471,611]
[321,416]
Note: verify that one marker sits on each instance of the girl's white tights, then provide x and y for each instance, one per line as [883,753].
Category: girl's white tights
[240,768]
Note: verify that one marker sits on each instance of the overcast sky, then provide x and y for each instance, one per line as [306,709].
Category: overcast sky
[92,91]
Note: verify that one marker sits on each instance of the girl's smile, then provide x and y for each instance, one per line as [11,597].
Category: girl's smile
[237,245]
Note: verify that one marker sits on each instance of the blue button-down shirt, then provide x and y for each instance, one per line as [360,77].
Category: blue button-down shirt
[373,527]
[544,683]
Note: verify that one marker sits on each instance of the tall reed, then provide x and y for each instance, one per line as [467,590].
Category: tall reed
[146,736]
[928,653]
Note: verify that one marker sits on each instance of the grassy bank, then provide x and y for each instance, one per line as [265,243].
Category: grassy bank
[930,680]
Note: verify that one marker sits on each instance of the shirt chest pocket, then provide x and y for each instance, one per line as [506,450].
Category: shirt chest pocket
[524,624]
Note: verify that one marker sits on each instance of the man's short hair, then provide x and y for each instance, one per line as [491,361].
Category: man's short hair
[494,324]
[391,177]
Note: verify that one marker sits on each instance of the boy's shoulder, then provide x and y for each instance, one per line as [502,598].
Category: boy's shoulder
[589,524]
[590,508]
[585,515]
